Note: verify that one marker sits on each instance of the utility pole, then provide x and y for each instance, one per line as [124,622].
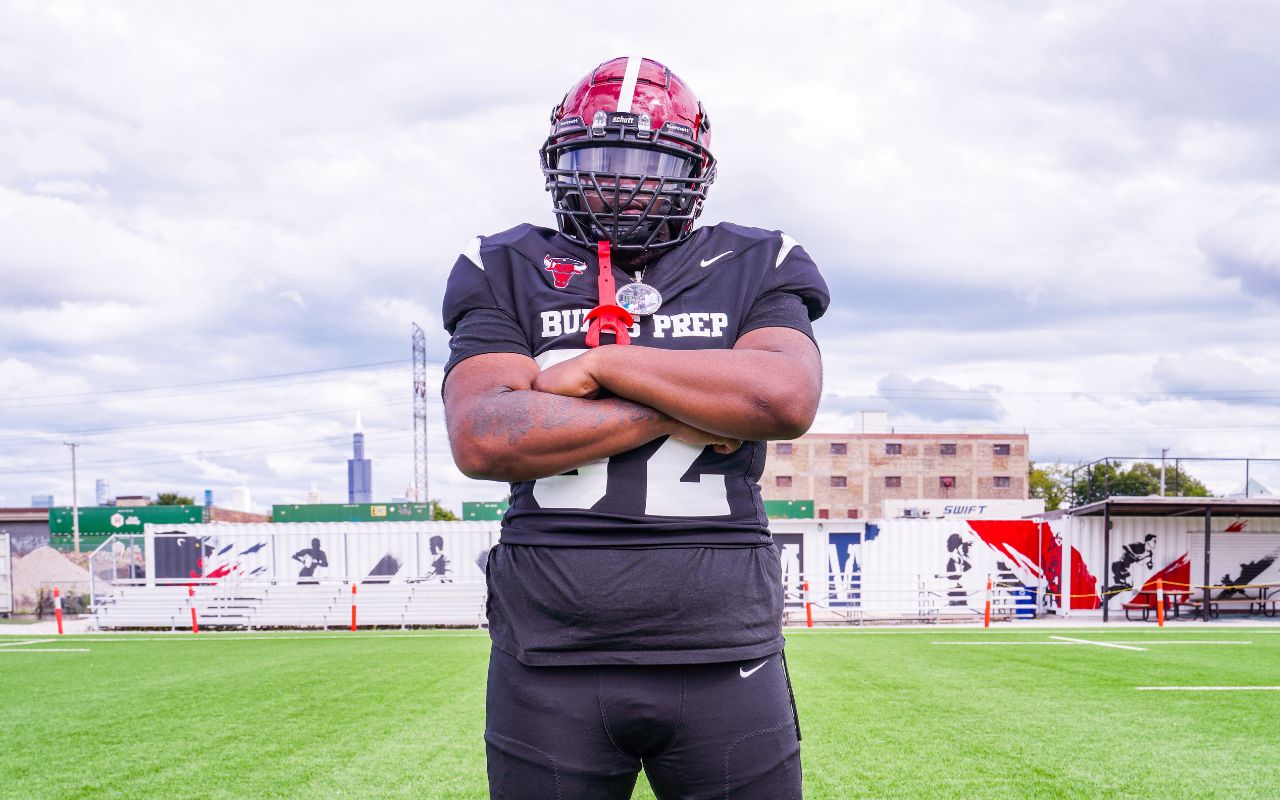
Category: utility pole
[420,454]
[75,497]
[1163,452]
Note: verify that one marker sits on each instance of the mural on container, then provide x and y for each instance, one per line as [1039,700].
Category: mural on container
[1131,554]
[266,552]
[180,557]
[844,566]
[311,558]
[1243,565]
[959,561]
[439,569]
[791,548]
[382,572]
[1035,553]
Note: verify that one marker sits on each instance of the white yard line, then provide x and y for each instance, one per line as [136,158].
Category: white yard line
[44,650]
[968,644]
[1099,644]
[1185,641]
[1066,640]
[1208,688]
[25,641]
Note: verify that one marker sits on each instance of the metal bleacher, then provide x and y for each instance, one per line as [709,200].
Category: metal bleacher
[294,605]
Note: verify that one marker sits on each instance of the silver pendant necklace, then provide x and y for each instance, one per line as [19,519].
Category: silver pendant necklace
[638,297]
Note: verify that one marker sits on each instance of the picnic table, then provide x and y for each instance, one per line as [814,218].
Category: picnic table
[1266,593]
[1145,601]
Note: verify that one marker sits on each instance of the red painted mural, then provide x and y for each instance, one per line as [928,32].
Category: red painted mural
[1034,547]
[1176,575]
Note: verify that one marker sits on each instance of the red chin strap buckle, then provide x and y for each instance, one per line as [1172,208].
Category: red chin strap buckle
[608,317]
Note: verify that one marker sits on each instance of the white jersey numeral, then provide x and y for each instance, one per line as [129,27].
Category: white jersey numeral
[588,482]
[665,496]
[668,496]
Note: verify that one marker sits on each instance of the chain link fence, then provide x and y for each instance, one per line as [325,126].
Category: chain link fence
[119,561]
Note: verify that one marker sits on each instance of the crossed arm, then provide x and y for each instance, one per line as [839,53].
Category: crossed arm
[510,421]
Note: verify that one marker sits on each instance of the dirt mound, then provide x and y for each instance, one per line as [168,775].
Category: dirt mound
[42,568]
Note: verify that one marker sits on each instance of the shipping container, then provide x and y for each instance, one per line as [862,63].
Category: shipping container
[351,512]
[484,510]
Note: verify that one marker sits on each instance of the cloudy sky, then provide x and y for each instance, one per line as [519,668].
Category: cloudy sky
[218,220]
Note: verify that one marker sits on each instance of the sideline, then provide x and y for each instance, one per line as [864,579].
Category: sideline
[1064,640]
[44,650]
[1100,644]
[1207,688]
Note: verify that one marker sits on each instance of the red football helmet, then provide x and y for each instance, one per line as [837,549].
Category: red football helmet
[627,158]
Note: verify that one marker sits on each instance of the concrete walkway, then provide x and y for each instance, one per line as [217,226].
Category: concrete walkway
[45,627]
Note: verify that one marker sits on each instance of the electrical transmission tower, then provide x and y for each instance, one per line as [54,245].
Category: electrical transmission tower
[420,415]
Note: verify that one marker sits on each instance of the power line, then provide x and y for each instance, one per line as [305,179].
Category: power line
[205,392]
[177,458]
[1091,393]
[991,395]
[994,429]
[304,412]
[8,402]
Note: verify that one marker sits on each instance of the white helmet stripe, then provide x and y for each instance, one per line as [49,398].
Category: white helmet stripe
[628,92]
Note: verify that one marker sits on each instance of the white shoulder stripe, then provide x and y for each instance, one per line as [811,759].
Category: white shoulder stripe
[787,244]
[629,79]
[472,252]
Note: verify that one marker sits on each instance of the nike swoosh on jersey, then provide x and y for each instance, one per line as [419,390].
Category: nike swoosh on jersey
[747,673]
[706,262]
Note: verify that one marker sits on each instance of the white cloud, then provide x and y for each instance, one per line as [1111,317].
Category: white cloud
[1247,246]
[1217,377]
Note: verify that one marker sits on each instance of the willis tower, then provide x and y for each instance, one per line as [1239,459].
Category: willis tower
[359,469]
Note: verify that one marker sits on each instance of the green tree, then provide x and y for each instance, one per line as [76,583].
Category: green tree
[440,513]
[1051,484]
[1177,483]
[1141,479]
[173,499]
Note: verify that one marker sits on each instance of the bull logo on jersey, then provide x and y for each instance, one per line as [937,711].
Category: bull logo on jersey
[562,269]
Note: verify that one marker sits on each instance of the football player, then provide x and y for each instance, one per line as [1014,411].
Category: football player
[623,373]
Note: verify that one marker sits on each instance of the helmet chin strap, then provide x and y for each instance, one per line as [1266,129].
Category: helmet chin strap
[608,316]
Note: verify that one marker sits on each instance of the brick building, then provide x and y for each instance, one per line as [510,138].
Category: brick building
[850,475]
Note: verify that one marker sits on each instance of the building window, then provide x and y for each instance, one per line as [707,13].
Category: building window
[783,481]
[852,513]
[839,481]
[894,449]
[1001,449]
[947,481]
[893,481]
[1002,481]
[824,513]
[839,449]
[783,448]
[946,449]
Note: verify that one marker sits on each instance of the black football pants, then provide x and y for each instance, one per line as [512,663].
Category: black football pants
[724,730]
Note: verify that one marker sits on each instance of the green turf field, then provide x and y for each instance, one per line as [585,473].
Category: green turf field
[885,714]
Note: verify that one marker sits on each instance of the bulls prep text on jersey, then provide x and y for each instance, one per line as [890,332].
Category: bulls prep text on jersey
[528,289]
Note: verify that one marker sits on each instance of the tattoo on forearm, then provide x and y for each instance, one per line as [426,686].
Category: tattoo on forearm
[513,415]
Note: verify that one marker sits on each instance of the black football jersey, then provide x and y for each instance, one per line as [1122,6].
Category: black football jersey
[528,289]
